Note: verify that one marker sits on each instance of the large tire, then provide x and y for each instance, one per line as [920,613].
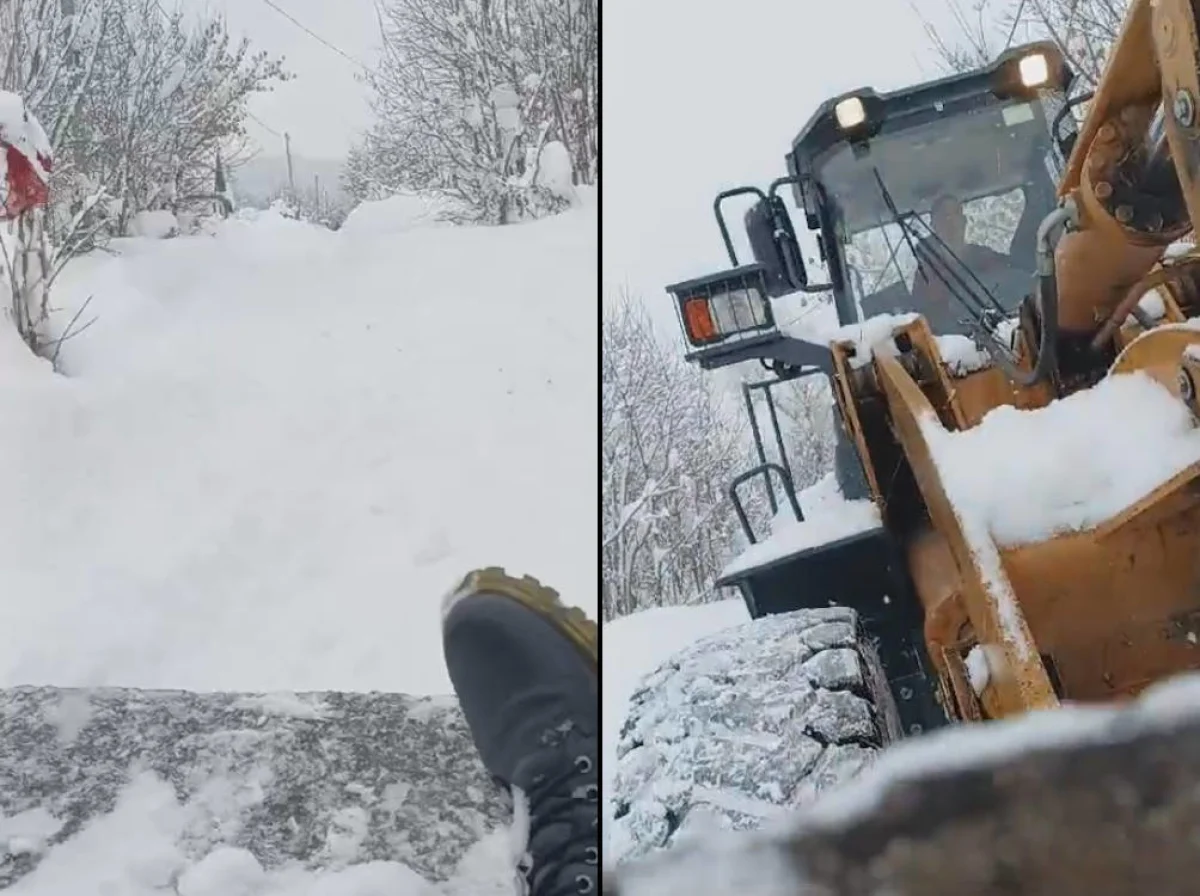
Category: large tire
[744,725]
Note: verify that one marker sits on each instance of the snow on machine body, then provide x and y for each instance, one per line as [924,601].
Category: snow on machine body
[1017,454]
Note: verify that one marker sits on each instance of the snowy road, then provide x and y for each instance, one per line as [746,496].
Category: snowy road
[278,447]
[272,453]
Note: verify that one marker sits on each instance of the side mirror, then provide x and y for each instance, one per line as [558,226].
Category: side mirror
[774,246]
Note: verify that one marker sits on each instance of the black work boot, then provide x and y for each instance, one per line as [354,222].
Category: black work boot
[525,670]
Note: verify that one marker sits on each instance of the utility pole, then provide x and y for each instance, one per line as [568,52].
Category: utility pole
[287,147]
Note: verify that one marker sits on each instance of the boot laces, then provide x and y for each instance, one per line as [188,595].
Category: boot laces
[563,855]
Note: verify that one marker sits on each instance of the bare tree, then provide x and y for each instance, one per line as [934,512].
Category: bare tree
[137,108]
[1083,29]
[167,102]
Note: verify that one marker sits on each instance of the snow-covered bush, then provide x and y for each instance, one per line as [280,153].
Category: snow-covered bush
[157,225]
[474,97]
[136,106]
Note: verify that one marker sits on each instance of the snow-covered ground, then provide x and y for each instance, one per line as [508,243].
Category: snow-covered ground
[277,447]
[135,851]
[268,458]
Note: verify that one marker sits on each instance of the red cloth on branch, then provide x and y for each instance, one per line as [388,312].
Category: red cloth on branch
[26,187]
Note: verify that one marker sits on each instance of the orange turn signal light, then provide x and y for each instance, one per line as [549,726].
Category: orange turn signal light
[698,319]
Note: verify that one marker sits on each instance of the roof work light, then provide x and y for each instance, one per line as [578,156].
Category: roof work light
[850,113]
[1034,70]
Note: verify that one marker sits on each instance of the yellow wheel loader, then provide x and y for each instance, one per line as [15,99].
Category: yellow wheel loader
[1015,368]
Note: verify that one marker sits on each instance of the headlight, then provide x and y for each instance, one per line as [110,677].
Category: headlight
[1034,70]
[850,113]
[712,318]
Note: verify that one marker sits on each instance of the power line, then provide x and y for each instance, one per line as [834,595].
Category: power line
[170,19]
[287,15]
[266,126]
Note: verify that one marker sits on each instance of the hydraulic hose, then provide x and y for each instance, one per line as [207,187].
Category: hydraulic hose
[1046,357]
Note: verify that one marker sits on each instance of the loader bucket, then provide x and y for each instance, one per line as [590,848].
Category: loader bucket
[315,780]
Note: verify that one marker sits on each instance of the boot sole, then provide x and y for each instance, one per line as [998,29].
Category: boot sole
[527,591]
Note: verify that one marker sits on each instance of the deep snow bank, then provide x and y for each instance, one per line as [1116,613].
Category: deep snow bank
[271,454]
[397,214]
[278,446]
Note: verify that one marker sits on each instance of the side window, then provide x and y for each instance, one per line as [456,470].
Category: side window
[992,221]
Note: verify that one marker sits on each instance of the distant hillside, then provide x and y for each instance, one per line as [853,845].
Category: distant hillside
[263,176]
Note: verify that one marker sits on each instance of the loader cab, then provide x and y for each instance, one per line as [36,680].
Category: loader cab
[922,200]
[928,200]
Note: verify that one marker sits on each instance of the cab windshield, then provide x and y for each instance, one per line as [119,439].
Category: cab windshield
[941,218]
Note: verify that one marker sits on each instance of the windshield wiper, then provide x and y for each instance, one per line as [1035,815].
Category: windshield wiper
[898,220]
[891,261]
[987,293]
[976,307]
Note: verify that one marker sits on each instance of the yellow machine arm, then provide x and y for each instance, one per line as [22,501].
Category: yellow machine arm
[1132,177]
[1101,603]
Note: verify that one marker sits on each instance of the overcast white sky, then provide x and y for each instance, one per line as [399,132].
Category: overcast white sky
[696,97]
[699,97]
[323,108]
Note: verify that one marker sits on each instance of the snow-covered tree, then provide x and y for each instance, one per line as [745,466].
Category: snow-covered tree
[670,447]
[313,204]
[137,107]
[473,97]
[806,418]
[136,110]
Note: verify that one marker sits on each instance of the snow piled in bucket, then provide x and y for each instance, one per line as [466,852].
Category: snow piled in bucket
[1032,474]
